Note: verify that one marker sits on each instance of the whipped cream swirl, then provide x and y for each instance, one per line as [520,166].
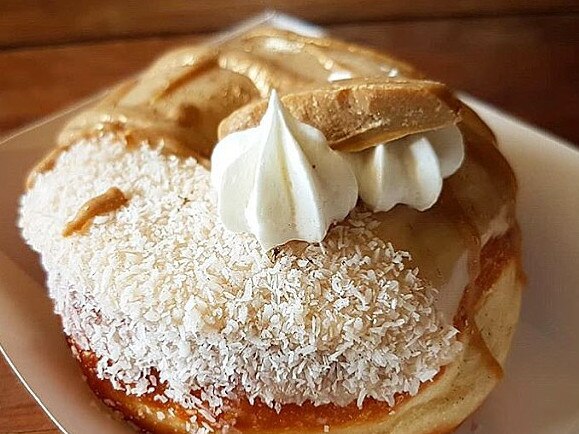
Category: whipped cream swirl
[281,181]
[409,170]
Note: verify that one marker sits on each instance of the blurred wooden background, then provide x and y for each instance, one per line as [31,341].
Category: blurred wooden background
[521,55]
[25,22]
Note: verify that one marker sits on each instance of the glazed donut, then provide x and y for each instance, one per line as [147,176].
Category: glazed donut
[398,321]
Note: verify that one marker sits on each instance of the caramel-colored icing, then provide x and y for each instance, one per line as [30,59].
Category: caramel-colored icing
[181,99]
[109,201]
[360,113]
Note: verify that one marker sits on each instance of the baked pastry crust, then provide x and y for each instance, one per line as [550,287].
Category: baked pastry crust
[180,101]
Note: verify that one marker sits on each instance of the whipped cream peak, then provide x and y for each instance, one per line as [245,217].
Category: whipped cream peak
[281,181]
[409,170]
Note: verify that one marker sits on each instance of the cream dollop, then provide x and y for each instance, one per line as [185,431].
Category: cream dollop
[281,181]
[409,170]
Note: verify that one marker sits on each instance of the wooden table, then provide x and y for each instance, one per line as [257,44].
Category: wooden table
[521,57]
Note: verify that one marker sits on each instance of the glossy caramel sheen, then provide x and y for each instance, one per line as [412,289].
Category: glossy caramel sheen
[181,99]
[359,113]
[109,201]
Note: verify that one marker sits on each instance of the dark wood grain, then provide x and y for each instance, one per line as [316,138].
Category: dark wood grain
[18,411]
[525,65]
[37,22]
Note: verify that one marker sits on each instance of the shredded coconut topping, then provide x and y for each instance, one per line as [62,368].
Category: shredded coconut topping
[161,286]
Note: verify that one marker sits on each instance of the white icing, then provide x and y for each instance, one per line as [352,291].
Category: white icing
[409,170]
[281,181]
[449,295]
[498,226]
[339,75]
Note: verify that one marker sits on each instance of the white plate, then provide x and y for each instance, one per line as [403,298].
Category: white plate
[540,392]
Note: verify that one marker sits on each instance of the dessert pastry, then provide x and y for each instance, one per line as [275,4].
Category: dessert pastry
[279,233]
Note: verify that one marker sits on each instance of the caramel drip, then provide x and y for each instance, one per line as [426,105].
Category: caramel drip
[495,255]
[109,201]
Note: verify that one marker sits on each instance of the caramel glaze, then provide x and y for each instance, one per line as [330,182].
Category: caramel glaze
[180,100]
[360,113]
[178,103]
[109,201]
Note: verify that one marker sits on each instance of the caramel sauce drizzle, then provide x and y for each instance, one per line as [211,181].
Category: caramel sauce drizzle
[109,201]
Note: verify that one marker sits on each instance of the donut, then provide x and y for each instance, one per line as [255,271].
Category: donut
[398,319]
